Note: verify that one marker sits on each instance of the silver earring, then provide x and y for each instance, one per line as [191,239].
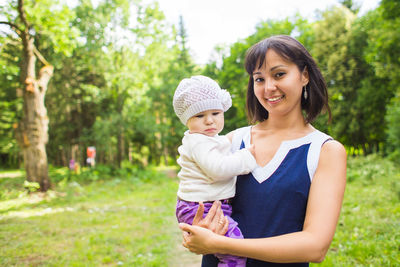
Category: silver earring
[305,93]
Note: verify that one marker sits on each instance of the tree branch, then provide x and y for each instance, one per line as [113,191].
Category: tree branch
[14,27]
[40,57]
[44,76]
[22,15]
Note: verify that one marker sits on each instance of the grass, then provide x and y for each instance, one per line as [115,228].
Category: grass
[107,220]
[117,222]
[368,233]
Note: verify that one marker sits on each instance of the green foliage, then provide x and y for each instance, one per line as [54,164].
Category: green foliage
[393,130]
[369,169]
[117,64]
[341,48]
[10,104]
[232,75]
[31,186]
[368,228]
[391,9]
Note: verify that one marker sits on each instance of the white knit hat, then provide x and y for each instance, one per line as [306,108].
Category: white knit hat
[198,94]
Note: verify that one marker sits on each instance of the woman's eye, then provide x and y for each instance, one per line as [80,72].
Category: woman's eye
[258,80]
[279,74]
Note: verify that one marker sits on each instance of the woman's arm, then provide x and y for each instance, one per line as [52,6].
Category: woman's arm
[309,245]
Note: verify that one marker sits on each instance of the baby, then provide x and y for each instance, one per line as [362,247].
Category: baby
[208,167]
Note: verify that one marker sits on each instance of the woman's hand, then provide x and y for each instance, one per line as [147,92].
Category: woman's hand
[198,239]
[214,220]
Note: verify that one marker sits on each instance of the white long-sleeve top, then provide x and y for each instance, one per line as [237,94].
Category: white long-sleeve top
[209,168]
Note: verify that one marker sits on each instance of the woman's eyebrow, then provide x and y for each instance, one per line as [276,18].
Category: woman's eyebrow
[278,66]
[271,69]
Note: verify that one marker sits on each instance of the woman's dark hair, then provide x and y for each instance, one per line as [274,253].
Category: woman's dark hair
[292,50]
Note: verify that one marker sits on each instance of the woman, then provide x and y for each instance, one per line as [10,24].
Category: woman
[288,207]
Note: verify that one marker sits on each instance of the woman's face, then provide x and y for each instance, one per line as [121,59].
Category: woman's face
[278,85]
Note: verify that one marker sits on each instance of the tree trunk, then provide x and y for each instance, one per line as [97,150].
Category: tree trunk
[120,147]
[32,130]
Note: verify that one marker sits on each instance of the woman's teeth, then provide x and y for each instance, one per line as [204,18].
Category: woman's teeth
[275,98]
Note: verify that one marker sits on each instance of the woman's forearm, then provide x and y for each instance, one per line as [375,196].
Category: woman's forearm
[293,247]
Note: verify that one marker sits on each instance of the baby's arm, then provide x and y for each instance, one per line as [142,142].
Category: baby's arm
[220,165]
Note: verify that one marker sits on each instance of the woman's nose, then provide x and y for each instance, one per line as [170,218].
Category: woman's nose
[270,84]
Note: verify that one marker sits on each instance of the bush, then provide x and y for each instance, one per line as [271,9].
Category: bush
[369,168]
[393,129]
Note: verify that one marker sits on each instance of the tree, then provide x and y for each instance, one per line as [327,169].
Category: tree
[168,130]
[343,47]
[384,54]
[232,74]
[77,95]
[32,129]
[10,103]
[354,7]
[339,67]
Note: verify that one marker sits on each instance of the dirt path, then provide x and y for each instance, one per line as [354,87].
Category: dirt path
[180,256]
[11,174]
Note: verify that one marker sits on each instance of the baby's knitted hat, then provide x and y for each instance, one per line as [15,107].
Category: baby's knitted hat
[198,94]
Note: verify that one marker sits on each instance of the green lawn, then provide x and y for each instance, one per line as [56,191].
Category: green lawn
[130,221]
[368,233]
[118,222]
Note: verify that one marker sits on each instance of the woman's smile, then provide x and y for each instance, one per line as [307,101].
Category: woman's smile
[275,99]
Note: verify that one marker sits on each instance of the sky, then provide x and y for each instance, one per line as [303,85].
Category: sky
[223,22]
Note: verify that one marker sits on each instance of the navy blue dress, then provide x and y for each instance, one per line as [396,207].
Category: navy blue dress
[272,200]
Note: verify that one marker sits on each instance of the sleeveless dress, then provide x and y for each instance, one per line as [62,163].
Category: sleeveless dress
[272,199]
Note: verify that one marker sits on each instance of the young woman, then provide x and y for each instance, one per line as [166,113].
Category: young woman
[288,207]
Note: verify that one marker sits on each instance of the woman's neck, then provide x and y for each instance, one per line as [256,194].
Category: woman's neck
[285,125]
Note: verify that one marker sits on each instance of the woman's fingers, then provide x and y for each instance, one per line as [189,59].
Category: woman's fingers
[199,214]
[195,238]
[216,219]
[210,220]
[220,226]
[185,235]
[225,226]
[186,228]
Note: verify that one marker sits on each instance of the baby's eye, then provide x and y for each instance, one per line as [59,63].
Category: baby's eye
[215,113]
[199,116]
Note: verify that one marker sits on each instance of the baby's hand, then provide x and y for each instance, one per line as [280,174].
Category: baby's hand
[252,150]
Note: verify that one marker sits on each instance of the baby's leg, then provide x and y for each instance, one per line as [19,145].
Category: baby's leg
[233,232]
[185,211]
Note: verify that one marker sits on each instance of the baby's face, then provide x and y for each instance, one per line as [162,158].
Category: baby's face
[210,122]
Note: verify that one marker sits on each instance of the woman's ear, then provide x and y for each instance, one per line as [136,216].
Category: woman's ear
[304,76]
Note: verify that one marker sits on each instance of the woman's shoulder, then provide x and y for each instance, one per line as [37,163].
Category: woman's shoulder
[329,144]
[333,148]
